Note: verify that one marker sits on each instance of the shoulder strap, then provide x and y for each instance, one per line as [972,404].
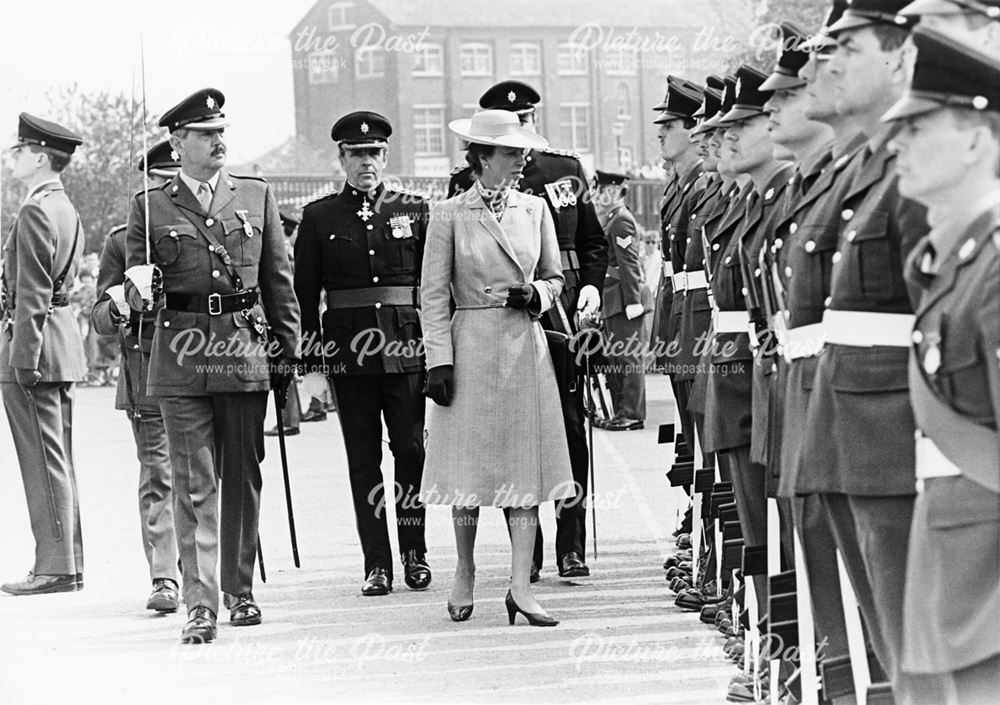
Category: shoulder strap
[218,249]
[58,281]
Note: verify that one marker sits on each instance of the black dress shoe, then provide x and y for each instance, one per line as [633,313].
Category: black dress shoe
[311,416]
[535,574]
[164,596]
[41,584]
[625,424]
[243,610]
[289,431]
[378,582]
[572,566]
[200,627]
[416,572]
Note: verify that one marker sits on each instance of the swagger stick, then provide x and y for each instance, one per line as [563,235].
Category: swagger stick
[284,473]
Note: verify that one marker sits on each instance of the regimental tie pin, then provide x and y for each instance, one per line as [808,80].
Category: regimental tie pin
[366,212]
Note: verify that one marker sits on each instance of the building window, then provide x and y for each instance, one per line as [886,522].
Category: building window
[324,67]
[574,126]
[477,60]
[429,61]
[573,60]
[525,59]
[624,100]
[620,62]
[428,130]
[369,63]
[337,16]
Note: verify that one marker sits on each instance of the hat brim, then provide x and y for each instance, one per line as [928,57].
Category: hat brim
[666,117]
[781,82]
[739,115]
[704,127]
[164,172]
[909,106]
[370,144]
[818,42]
[849,22]
[931,7]
[519,137]
[211,124]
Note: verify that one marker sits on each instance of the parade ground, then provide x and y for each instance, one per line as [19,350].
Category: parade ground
[620,639]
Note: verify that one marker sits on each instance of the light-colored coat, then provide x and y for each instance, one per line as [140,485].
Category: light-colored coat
[502,441]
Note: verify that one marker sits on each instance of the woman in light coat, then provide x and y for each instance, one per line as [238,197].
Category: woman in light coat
[495,436]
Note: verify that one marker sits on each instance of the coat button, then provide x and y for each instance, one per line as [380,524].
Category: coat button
[715,247]
[851,236]
[215,274]
[173,233]
[788,271]
[744,291]
[370,226]
[488,289]
[917,337]
[375,280]
[756,272]
[810,246]
[828,300]
[837,257]
[847,214]
[210,222]
[778,242]
[371,252]
[793,228]
[135,347]
[728,260]
[378,305]
[211,248]
[166,324]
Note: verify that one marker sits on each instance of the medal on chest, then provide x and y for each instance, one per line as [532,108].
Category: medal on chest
[400,225]
[366,211]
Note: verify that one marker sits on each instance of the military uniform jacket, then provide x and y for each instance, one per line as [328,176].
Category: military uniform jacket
[559,178]
[353,241]
[131,391]
[192,249]
[623,285]
[860,422]
[38,335]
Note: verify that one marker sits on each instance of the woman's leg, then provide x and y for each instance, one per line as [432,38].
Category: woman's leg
[523,524]
[466,521]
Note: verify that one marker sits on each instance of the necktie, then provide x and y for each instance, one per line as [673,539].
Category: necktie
[204,195]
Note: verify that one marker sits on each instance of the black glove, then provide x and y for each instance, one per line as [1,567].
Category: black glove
[441,384]
[282,373]
[520,296]
[26,378]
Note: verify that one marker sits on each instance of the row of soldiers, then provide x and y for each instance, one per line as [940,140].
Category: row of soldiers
[833,231]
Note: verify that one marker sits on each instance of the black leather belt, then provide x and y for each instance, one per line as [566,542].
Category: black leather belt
[213,304]
[377,296]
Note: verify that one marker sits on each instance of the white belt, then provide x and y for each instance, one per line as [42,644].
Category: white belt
[668,268]
[680,281]
[731,321]
[931,462]
[803,341]
[696,280]
[865,329]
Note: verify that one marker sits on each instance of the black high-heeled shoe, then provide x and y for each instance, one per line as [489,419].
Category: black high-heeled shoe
[459,613]
[534,619]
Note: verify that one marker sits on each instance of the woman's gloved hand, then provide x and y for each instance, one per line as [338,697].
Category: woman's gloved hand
[441,384]
[520,296]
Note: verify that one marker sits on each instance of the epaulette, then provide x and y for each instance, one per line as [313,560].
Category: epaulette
[39,196]
[250,177]
[562,153]
[327,197]
[161,187]
[409,192]
[459,168]
[117,229]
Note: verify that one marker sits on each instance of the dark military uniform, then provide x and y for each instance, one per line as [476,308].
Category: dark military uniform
[365,251]
[156,510]
[559,178]
[226,278]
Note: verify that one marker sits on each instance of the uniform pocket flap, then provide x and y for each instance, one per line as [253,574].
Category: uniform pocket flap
[875,227]
[168,318]
[876,370]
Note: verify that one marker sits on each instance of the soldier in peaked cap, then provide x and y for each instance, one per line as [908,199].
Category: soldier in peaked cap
[364,247]
[217,243]
[622,306]
[974,22]
[558,177]
[41,353]
[951,116]
[112,316]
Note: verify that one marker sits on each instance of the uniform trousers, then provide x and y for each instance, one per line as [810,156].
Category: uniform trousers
[41,424]
[220,436]
[750,494]
[362,403]
[156,502]
[626,373]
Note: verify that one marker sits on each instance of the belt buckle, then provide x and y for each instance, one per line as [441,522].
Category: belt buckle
[215,304]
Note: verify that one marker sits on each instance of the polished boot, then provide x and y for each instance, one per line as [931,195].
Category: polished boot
[416,572]
[164,597]
[41,584]
[571,565]
[243,610]
[378,582]
[200,627]
[534,619]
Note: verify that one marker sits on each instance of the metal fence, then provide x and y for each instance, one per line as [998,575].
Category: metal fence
[294,192]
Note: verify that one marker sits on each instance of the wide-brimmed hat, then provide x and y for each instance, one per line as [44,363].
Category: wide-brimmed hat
[498,128]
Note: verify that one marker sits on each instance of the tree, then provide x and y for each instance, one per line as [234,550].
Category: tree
[102,175]
[761,48]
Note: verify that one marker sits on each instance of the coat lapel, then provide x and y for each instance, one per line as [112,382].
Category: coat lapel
[182,197]
[225,191]
[488,221]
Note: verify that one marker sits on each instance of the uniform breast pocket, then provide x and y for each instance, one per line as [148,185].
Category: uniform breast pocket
[176,248]
[961,375]
[342,256]
[728,284]
[244,239]
[872,257]
[401,245]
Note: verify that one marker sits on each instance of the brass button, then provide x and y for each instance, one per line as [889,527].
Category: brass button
[837,257]
[375,280]
[828,300]
[788,271]
[378,305]
[852,236]
[215,274]
[917,337]
[778,242]
[715,247]
[728,260]
[173,233]
[211,248]
[793,228]
[847,214]
[370,226]
[371,252]
[166,324]
[810,246]
[210,222]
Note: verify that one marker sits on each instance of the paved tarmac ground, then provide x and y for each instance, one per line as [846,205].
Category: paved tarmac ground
[621,639]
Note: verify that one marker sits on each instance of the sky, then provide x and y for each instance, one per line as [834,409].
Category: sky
[241,48]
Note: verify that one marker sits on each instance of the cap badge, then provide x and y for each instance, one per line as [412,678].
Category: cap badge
[210,102]
[174,156]
[511,97]
[364,128]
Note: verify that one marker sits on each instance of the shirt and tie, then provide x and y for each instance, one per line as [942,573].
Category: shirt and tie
[202,190]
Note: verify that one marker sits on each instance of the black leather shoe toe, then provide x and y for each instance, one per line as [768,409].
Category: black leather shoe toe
[378,582]
[164,597]
[200,627]
[416,572]
[571,565]
[244,612]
